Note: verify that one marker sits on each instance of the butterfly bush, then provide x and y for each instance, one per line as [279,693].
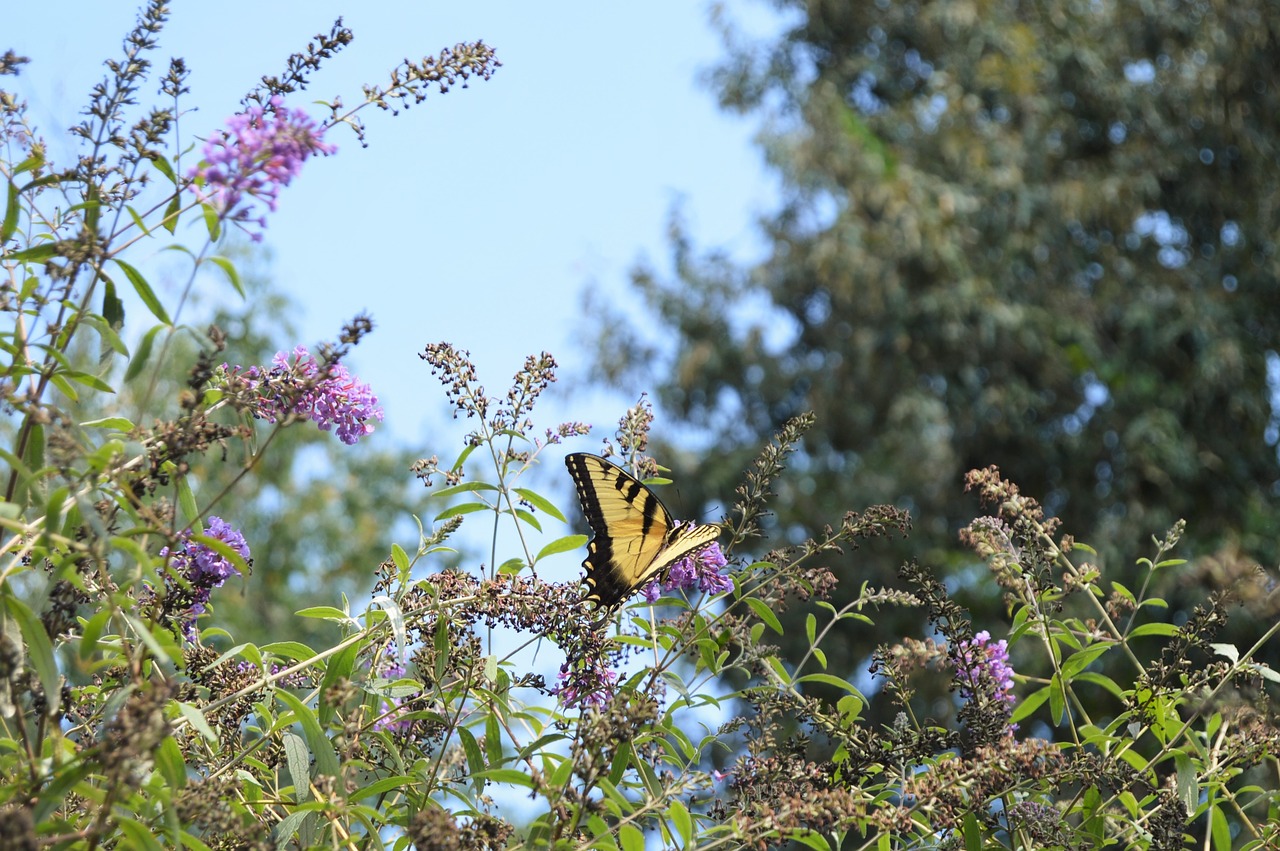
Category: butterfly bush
[588,683]
[260,151]
[393,721]
[338,402]
[703,570]
[204,568]
[980,659]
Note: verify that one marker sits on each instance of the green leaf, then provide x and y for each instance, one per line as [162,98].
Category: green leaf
[112,306]
[465,487]
[138,221]
[814,840]
[34,454]
[144,291]
[110,342]
[36,253]
[1187,784]
[972,832]
[212,221]
[506,775]
[1082,659]
[170,764]
[159,641]
[1057,707]
[1265,671]
[493,739]
[765,614]
[568,543]
[12,213]
[39,648]
[112,423]
[295,650]
[828,679]
[298,762]
[1230,651]
[539,502]
[230,269]
[511,567]
[1163,629]
[400,559]
[683,821]
[137,835]
[291,824]
[464,508]
[475,759]
[528,517]
[776,664]
[324,613]
[321,748]
[170,221]
[198,721]
[631,838]
[340,667]
[88,380]
[162,165]
[139,360]
[187,500]
[93,628]
[386,784]
[1221,829]
[1100,680]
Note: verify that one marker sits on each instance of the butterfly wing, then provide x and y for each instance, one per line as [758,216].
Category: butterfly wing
[636,538]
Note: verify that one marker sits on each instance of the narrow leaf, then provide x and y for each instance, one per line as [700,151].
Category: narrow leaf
[144,291]
[540,502]
[765,614]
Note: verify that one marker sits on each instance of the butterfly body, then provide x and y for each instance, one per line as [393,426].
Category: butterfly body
[636,538]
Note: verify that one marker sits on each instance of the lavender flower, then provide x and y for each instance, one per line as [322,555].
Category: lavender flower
[703,570]
[393,721]
[591,684]
[261,150]
[204,568]
[338,402]
[980,660]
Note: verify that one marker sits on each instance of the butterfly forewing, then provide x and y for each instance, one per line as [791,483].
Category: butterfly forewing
[635,537]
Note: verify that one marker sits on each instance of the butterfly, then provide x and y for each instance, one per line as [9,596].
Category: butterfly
[636,539]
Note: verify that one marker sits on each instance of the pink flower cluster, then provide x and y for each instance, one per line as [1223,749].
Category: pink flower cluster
[703,570]
[339,402]
[590,683]
[980,659]
[204,568]
[260,151]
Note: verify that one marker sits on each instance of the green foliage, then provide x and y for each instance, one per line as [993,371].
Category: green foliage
[133,716]
[1032,235]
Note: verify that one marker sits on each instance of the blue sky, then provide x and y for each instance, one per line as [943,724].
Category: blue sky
[477,217]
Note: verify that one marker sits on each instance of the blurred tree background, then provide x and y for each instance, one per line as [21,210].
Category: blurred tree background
[1036,235]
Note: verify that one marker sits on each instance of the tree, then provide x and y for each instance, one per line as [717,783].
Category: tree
[1033,235]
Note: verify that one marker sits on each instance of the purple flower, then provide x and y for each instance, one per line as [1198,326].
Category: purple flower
[980,660]
[260,151]
[204,568]
[338,402]
[392,720]
[590,684]
[703,570]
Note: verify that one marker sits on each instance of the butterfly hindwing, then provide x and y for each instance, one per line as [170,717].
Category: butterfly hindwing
[636,538]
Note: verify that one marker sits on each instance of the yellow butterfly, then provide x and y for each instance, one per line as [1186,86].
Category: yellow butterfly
[636,539]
